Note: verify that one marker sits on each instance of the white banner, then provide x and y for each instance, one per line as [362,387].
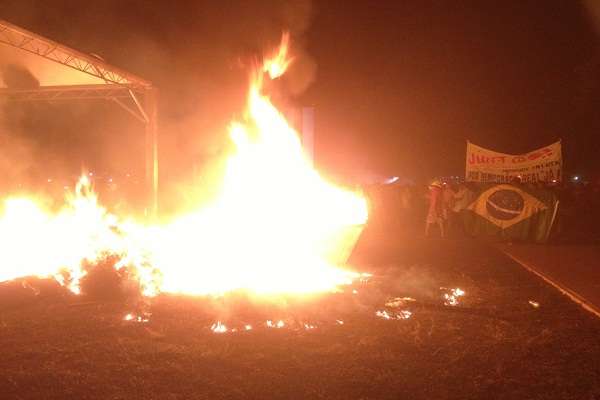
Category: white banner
[541,165]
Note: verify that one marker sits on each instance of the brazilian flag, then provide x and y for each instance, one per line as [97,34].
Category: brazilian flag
[511,212]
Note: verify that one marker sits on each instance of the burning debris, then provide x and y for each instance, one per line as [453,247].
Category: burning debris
[534,304]
[143,318]
[399,302]
[218,327]
[403,314]
[452,296]
[275,227]
[292,325]
[383,314]
[279,324]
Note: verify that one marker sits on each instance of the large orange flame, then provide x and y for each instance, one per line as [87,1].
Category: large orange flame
[276,225]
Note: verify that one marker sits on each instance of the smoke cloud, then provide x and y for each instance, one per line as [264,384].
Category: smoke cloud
[197,54]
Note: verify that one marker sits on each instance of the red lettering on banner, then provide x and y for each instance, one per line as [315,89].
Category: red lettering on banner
[481,159]
[534,156]
[545,152]
[478,159]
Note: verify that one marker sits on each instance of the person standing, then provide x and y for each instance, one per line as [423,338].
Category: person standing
[462,198]
[435,213]
[447,205]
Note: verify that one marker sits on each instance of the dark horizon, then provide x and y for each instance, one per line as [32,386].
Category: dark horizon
[397,88]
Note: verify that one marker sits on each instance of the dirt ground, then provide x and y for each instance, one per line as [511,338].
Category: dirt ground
[510,336]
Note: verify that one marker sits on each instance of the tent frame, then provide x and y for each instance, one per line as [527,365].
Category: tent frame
[135,95]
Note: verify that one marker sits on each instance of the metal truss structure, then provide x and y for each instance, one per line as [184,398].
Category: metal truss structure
[17,37]
[135,95]
[70,92]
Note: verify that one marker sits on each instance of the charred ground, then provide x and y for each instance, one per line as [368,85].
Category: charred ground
[494,344]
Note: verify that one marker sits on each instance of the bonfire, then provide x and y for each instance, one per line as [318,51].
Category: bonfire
[276,225]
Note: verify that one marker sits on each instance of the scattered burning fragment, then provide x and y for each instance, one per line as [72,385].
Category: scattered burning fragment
[218,327]
[129,317]
[383,314]
[145,317]
[534,304]
[403,314]
[399,302]
[279,324]
[221,327]
[451,297]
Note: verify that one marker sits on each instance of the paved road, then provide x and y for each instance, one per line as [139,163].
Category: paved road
[575,268]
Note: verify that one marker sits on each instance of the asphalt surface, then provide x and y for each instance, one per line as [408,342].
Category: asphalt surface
[574,268]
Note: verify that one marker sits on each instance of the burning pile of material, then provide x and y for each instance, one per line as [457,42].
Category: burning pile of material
[63,244]
[276,225]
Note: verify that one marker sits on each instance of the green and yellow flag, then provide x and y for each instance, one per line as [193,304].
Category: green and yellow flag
[511,212]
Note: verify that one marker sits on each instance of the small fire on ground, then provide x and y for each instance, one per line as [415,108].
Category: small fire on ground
[452,296]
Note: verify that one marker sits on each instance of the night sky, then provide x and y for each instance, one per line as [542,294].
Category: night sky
[398,86]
